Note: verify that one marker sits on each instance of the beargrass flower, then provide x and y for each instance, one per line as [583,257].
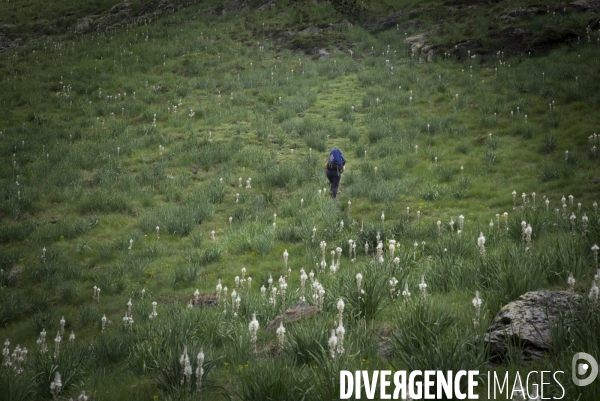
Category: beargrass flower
[153,314]
[282,291]
[528,231]
[253,328]
[393,283]
[6,354]
[41,341]
[594,295]
[332,343]
[186,366]
[423,287]
[199,369]
[340,332]
[477,303]
[571,282]
[481,243]
[56,386]
[285,255]
[263,292]
[595,249]
[280,335]
[406,292]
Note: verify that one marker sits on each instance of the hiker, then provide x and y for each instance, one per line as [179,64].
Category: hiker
[335,166]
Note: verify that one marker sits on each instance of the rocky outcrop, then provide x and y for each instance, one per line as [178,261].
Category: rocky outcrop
[389,21]
[297,312]
[204,301]
[323,54]
[120,15]
[526,323]
[420,48]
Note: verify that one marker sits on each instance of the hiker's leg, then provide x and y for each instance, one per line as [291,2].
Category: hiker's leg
[334,179]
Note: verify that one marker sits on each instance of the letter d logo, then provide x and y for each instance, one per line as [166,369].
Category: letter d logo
[582,368]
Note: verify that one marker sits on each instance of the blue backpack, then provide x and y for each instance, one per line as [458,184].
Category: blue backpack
[336,159]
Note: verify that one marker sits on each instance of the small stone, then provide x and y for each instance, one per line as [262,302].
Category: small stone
[297,312]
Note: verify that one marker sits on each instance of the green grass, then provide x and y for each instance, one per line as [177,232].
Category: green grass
[96,170]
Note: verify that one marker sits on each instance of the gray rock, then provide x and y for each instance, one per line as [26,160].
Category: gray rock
[430,55]
[297,312]
[580,5]
[310,30]
[520,12]
[420,48]
[267,5]
[527,323]
[84,25]
[11,277]
[389,21]
[204,301]
[324,54]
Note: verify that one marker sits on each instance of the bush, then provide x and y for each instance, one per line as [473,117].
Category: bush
[508,274]
[550,172]
[432,192]
[272,381]
[12,307]
[178,220]
[210,255]
[549,142]
[16,387]
[444,174]
[103,201]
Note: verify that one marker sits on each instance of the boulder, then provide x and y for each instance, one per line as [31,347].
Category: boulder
[204,301]
[295,313]
[420,48]
[527,323]
[311,30]
[389,21]
[323,54]
[84,25]
[267,5]
[580,5]
[15,273]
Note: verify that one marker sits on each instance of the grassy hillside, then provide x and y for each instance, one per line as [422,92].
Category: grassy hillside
[164,156]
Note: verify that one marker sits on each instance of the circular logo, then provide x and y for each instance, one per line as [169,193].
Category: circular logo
[581,369]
